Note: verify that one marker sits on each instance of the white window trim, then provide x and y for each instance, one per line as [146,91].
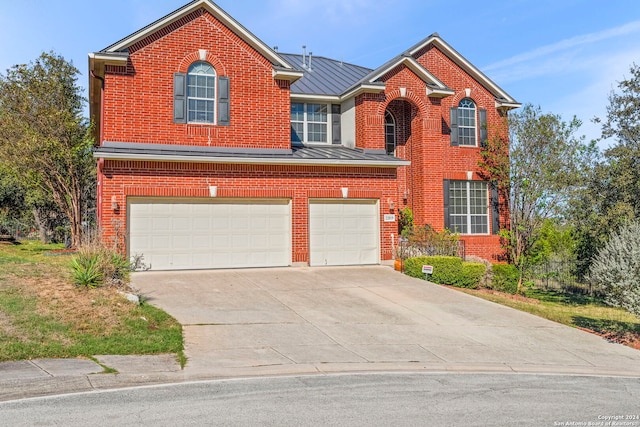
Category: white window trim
[386,134]
[214,99]
[468,215]
[474,127]
[306,122]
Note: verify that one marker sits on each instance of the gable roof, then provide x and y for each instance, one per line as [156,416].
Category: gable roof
[467,66]
[118,51]
[332,79]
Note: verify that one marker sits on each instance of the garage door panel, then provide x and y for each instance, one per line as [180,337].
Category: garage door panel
[179,234]
[344,233]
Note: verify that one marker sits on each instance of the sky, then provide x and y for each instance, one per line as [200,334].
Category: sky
[565,56]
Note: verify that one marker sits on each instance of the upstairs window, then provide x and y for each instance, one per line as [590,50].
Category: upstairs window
[200,96]
[389,133]
[309,122]
[464,124]
[201,93]
[467,122]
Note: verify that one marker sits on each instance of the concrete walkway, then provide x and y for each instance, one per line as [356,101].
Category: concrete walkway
[242,322]
[287,321]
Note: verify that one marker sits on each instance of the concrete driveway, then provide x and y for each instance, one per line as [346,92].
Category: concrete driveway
[303,320]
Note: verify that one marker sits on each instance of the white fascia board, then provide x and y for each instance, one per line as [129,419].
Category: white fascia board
[422,72]
[245,160]
[108,59]
[311,97]
[415,67]
[217,12]
[462,62]
[289,75]
[363,88]
[439,93]
[507,105]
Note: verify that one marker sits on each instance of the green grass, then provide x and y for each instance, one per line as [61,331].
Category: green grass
[42,315]
[581,311]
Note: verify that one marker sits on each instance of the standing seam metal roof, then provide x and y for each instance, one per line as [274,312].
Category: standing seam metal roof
[326,76]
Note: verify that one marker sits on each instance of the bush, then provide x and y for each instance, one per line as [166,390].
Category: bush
[472,274]
[86,270]
[505,278]
[447,270]
[616,269]
[487,277]
[97,265]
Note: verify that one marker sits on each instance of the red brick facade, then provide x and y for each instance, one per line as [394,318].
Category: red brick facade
[135,105]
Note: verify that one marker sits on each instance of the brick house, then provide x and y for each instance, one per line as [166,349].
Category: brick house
[216,151]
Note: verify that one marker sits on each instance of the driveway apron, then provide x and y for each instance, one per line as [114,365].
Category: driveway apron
[334,319]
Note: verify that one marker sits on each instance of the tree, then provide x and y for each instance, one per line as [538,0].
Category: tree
[616,268]
[611,197]
[44,136]
[536,167]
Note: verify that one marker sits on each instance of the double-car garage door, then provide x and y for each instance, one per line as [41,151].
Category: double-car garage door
[177,234]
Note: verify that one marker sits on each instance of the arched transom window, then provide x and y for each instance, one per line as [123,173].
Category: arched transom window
[467,122]
[201,93]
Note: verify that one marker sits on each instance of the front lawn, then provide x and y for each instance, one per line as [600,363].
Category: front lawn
[43,315]
[579,311]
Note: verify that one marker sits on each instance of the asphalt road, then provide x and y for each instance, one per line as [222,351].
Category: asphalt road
[389,399]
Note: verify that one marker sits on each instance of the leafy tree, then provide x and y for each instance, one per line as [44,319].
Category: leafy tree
[536,165]
[44,136]
[611,196]
[616,268]
[555,242]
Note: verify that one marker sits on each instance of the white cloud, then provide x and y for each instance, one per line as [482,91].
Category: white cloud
[567,44]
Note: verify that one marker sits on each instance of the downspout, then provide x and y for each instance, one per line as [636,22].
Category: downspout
[99,190]
[99,203]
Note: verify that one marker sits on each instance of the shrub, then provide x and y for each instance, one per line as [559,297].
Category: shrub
[505,278]
[86,271]
[447,270]
[487,277]
[616,269]
[97,265]
[472,273]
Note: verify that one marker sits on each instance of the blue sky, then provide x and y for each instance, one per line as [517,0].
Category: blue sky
[564,55]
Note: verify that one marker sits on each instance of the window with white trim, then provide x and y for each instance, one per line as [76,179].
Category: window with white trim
[389,133]
[201,93]
[309,122]
[467,122]
[468,207]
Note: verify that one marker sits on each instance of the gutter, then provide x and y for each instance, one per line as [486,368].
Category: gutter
[250,161]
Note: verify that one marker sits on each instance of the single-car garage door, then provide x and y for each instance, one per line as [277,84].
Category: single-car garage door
[344,232]
[178,234]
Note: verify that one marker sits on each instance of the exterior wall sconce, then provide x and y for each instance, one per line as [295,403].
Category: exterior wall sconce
[114,203]
[213,190]
[405,196]
[392,206]
[345,192]
[469,175]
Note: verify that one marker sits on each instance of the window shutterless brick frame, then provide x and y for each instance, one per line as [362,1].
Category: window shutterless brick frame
[123,179]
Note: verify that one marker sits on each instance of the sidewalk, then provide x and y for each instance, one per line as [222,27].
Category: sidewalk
[321,321]
[42,377]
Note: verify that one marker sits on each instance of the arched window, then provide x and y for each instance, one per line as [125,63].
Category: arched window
[467,122]
[201,93]
[389,133]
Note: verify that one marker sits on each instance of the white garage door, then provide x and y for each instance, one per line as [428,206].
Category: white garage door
[174,234]
[344,232]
